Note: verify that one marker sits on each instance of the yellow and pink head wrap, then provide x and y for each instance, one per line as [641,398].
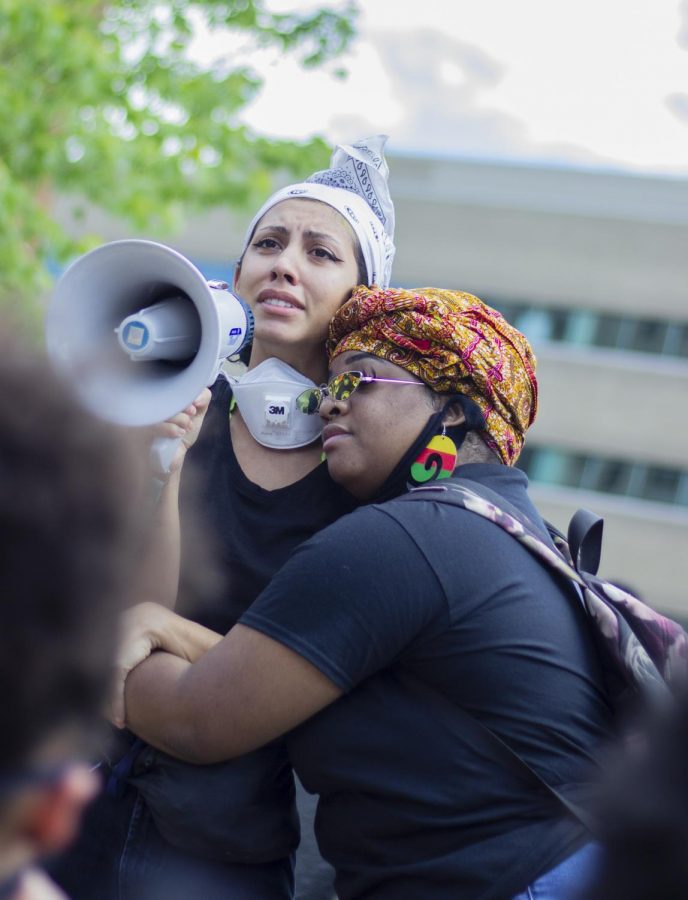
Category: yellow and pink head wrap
[453,342]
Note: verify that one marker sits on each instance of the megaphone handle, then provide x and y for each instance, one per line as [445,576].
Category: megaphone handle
[162,453]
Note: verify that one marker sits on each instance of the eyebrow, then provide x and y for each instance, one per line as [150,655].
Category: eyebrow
[309,233]
[280,228]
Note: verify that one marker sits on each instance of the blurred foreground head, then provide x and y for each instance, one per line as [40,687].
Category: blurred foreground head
[71,503]
[644,812]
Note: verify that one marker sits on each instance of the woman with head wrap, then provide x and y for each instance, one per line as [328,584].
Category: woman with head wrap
[390,635]
[260,488]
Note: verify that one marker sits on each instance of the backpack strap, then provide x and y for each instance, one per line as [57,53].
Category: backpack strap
[524,530]
[641,646]
[485,740]
[487,503]
[585,540]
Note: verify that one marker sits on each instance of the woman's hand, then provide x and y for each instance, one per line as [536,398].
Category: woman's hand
[185,425]
[149,627]
[141,633]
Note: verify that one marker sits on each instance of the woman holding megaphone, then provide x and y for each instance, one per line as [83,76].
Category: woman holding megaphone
[260,488]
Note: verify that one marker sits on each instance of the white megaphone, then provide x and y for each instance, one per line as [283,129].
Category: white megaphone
[139,332]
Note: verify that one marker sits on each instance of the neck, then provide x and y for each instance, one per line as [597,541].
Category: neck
[470,445]
[309,361]
[475,450]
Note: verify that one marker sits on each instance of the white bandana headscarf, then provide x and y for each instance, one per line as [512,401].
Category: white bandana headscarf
[356,186]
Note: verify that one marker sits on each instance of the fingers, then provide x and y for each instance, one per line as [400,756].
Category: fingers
[168,430]
[125,662]
[186,426]
[202,401]
[179,426]
[136,644]
[134,650]
[188,417]
[184,419]
[116,712]
[199,404]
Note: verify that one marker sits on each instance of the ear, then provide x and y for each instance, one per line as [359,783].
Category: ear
[52,814]
[454,414]
[237,275]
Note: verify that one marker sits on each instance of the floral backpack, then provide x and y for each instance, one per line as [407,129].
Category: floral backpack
[644,654]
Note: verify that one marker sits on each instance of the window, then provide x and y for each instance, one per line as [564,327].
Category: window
[613,477]
[650,337]
[553,465]
[676,341]
[580,327]
[662,484]
[584,327]
[536,324]
[607,331]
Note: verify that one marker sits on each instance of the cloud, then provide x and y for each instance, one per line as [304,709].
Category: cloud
[442,87]
[441,79]
[437,82]
[682,36]
[678,105]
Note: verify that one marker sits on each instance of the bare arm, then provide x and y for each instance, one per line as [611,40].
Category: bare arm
[158,576]
[245,691]
[148,627]
[158,573]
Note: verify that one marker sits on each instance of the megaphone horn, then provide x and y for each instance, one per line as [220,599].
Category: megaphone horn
[139,331]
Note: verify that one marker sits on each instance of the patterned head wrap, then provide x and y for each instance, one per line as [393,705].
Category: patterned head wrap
[356,186]
[453,342]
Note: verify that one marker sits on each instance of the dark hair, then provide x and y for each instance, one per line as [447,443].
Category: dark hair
[362,273]
[70,514]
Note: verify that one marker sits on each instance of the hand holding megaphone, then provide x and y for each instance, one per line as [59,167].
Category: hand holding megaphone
[172,438]
[139,332]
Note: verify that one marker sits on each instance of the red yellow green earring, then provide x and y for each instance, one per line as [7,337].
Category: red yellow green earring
[436,460]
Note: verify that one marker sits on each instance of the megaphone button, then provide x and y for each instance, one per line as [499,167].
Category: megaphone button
[136,335]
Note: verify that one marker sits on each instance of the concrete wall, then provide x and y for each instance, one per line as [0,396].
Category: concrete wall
[627,405]
[645,545]
[584,244]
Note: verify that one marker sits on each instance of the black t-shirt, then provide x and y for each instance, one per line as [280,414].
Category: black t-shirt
[252,530]
[241,810]
[418,611]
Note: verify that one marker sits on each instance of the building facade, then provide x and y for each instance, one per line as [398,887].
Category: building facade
[593,267]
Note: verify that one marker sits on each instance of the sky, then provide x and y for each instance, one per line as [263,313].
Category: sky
[585,83]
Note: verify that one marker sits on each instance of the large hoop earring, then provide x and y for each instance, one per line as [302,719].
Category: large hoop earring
[436,460]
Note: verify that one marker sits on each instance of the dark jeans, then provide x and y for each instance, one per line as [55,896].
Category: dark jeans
[121,856]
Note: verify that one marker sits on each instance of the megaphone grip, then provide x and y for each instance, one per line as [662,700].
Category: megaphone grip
[162,453]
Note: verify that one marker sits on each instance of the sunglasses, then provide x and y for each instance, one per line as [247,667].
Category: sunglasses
[341,387]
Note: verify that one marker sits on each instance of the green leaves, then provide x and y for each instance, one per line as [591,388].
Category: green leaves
[104,101]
